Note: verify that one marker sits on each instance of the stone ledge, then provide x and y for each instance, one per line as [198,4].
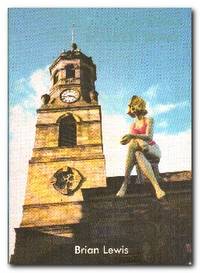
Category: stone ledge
[48,160]
[63,147]
[42,125]
[69,108]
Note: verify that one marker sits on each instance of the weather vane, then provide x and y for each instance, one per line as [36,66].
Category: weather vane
[73,34]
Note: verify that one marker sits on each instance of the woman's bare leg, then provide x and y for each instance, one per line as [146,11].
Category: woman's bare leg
[143,145]
[147,170]
[130,162]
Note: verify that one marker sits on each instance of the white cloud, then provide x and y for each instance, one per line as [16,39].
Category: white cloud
[35,86]
[176,151]
[40,82]
[159,108]
[151,92]
[164,108]
[22,128]
[114,127]
[162,124]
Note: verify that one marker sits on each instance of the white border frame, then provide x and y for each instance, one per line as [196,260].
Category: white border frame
[4,5]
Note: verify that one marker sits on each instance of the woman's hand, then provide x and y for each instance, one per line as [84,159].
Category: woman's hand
[126,139]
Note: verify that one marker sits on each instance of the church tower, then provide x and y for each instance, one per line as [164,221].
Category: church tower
[68,149]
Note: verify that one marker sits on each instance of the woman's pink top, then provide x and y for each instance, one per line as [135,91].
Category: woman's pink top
[141,131]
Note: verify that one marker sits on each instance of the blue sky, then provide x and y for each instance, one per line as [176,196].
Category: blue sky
[137,51]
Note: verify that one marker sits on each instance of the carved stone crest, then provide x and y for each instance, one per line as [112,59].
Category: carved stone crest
[67,181]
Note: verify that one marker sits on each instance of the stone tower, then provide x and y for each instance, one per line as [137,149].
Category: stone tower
[68,150]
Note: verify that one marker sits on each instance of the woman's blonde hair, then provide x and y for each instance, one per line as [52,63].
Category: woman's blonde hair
[138,105]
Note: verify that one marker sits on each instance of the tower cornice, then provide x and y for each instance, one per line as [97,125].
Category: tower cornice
[68,108]
[72,55]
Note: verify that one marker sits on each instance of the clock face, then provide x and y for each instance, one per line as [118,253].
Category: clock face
[69,96]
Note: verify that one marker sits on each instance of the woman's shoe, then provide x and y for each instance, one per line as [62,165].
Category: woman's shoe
[122,190]
[160,195]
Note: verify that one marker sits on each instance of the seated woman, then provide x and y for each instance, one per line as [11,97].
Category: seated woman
[141,146]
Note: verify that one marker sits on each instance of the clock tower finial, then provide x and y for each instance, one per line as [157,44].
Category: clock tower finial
[73,44]
[73,34]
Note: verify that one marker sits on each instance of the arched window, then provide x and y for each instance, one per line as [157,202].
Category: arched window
[70,71]
[67,132]
[55,78]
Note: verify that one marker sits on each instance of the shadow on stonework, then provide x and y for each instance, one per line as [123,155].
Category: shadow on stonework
[154,233]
